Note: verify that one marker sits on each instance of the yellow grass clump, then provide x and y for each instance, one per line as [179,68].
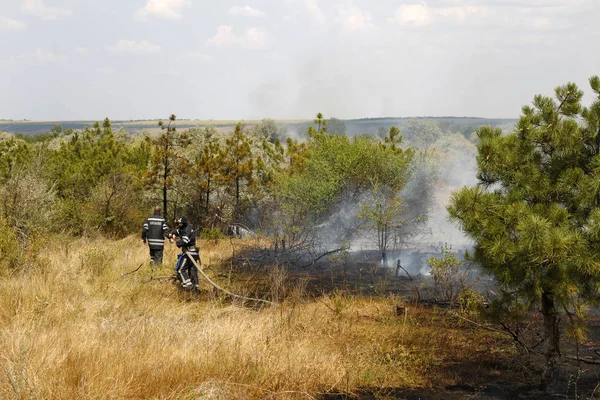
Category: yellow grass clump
[73,327]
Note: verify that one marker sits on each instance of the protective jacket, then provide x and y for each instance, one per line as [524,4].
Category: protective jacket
[187,273]
[186,239]
[154,231]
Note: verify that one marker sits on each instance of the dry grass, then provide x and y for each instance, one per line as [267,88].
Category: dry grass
[73,328]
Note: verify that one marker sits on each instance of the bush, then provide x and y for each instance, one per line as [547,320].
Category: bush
[212,234]
[9,247]
[449,276]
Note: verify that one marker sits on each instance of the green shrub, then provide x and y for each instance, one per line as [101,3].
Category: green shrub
[10,250]
[212,234]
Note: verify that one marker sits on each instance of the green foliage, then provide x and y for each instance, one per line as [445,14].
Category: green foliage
[470,302]
[212,234]
[329,169]
[167,162]
[95,175]
[421,133]
[448,275]
[268,130]
[237,167]
[15,154]
[10,250]
[535,217]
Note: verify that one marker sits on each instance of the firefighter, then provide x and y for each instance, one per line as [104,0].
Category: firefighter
[187,273]
[154,231]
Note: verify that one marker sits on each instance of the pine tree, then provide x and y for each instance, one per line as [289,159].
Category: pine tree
[237,166]
[167,160]
[206,169]
[535,215]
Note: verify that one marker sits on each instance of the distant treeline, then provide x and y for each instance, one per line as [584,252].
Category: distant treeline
[352,126]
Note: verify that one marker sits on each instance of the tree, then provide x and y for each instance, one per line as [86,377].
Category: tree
[206,169]
[267,129]
[167,160]
[335,125]
[382,212]
[421,133]
[237,165]
[321,124]
[335,171]
[535,214]
[14,155]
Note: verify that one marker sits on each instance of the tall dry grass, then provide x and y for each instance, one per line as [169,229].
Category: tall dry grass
[73,328]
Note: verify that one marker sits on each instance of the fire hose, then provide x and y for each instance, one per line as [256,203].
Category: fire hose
[212,283]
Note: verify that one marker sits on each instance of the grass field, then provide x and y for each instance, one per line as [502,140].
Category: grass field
[75,327]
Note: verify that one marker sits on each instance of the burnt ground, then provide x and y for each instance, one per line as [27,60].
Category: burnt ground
[480,377]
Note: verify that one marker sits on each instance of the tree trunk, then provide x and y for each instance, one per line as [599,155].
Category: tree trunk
[165,176]
[552,337]
[208,197]
[237,198]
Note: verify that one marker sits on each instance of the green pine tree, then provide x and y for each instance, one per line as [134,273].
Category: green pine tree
[237,166]
[535,215]
[167,160]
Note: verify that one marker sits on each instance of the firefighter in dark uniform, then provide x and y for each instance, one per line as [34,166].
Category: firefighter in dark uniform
[187,273]
[154,231]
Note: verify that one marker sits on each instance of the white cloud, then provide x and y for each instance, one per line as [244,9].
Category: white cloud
[246,11]
[41,10]
[197,56]
[413,14]
[314,10]
[223,37]
[462,13]
[253,38]
[355,19]
[81,50]
[167,9]
[45,56]
[7,24]
[133,47]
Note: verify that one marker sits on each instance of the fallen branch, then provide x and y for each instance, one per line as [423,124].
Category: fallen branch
[589,360]
[505,332]
[131,272]
[216,286]
[160,278]
[321,256]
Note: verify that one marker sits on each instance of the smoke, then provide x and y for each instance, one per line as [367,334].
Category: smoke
[425,198]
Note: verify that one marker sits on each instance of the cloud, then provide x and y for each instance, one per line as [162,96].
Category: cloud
[167,9]
[355,19]
[253,38]
[133,47]
[413,14]
[40,10]
[462,13]
[45,56]
[223,37]
[197,56]
[7,24]
[246,11]
[315,11]
[40,57]
[536,16]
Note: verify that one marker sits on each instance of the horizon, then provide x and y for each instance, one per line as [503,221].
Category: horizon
[234,121]
[64,60]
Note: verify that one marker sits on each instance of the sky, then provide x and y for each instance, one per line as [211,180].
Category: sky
[289,59]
